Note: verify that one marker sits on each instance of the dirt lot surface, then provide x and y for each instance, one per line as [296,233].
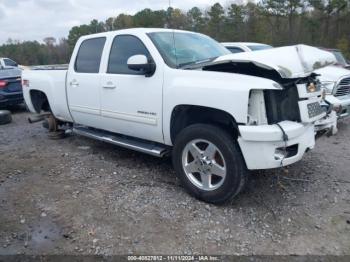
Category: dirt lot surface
[79,196]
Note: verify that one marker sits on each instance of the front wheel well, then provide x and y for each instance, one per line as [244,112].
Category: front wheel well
[39,101]
[186,115]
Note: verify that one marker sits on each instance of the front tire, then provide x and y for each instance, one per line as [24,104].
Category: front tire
[209,163]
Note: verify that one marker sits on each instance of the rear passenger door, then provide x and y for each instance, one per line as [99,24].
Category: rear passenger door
[131,103]
[83,82]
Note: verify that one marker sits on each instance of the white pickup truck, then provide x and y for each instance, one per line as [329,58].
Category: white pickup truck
[161,91]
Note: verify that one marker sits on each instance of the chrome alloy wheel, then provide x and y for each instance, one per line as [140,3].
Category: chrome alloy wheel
[204,164]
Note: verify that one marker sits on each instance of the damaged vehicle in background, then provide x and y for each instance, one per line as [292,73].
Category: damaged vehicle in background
[171,92]
[335,80]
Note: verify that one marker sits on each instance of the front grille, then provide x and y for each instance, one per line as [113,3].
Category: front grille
[314,109]
[343,88]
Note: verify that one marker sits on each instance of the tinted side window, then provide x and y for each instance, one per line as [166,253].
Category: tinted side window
[123,47]
[235,49]
[89,55]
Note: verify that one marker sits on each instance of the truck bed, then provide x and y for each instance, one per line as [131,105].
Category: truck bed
[51,82]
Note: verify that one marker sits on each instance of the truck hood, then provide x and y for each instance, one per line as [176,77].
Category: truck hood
[332,73]
[289,62]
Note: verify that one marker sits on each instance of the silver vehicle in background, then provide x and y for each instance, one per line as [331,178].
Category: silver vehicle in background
[7,63]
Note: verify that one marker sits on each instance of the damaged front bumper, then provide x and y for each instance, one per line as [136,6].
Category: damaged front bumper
[327,124]
[263,146]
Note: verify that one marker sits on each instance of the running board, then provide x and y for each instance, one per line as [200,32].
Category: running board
[142,146]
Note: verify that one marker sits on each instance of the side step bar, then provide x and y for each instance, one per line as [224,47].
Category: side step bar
[150,148]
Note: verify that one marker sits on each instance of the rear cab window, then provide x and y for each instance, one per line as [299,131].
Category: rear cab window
[88,59]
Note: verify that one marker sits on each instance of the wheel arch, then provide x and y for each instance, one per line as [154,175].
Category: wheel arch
[186,115]
[39,101]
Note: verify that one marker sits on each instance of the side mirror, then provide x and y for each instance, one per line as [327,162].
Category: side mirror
[141,63]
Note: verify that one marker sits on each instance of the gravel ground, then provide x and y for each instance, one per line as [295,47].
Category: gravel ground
[79,196]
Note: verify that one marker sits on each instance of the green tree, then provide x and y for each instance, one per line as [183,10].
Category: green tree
[216,16]
[195,20]
[175,19]
[149,18]
[77,31]
[283,12]
[234,26]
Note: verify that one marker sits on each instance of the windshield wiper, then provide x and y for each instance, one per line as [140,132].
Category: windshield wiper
[195,63]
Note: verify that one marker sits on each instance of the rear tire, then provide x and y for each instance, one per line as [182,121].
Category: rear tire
[209,163]
[5,117]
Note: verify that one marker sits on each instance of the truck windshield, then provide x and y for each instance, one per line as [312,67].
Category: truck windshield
[179,49]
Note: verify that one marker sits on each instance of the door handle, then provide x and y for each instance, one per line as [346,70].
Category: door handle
[74,83]
[109,85]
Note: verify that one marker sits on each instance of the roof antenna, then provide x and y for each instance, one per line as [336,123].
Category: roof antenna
[169,17]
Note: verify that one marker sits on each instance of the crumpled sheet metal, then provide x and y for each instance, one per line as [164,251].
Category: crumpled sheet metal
[289,61]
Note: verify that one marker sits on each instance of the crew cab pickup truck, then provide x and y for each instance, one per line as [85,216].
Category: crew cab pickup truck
[162,91]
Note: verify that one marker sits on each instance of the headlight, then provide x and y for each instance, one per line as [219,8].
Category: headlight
[311,88]
[328,86]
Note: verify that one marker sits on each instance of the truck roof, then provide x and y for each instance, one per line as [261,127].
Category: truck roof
[137,30]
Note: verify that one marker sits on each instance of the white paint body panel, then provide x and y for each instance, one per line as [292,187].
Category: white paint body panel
[225,91]
[121,105]
[258,144]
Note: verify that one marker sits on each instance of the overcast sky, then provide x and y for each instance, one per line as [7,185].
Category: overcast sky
[37,19]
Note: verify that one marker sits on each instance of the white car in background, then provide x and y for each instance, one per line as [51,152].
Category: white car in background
[334,79]
[239,47]
[7,63]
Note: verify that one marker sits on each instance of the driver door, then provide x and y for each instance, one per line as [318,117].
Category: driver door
[131,103]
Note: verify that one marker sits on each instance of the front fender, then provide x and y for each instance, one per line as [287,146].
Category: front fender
[228,92]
